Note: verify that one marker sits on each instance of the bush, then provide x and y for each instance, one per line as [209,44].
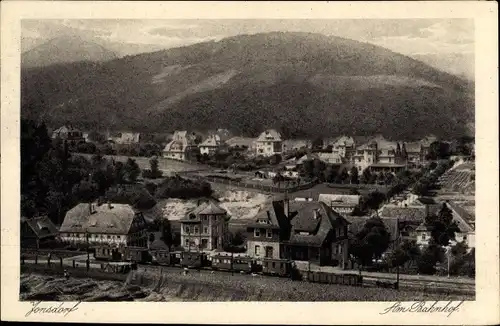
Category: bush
[177,187]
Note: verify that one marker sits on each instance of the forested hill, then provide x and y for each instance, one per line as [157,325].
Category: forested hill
[303,84]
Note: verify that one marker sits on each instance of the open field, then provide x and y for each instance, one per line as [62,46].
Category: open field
[165,165]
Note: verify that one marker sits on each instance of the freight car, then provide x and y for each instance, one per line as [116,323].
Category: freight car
[234,263]
[277,267]
[194,259]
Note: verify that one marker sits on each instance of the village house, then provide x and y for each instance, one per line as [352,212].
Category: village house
[108,227]
[300,231]
[210,145]
[318,235]
[38,232]
[290,145]
[269,143]
[180,146]
[269,230]
[342,204]
[464,221]
[344,147]
[125,138]
[205,228]
[380,155]
[70,134]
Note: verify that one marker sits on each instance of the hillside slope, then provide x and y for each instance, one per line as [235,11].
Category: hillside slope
[65,49]
[303,84]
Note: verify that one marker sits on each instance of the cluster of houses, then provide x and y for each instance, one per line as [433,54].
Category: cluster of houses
[304,229]
[375,153]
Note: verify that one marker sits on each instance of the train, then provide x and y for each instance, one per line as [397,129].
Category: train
[221,261]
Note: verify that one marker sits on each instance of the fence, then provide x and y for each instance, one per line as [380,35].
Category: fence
[80,272]
[330,278]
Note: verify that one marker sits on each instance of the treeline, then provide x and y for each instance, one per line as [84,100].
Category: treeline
[139,149]
[53,181]
[373,249]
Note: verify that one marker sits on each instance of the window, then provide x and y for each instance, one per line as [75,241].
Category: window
[269,233]
[256,233]
[186,229]
[423,236]
[205,218]
[109,237]
[205,230]
[187,242]
[118,237]
[195,230]
[465,237]
[274,265]
[257,250]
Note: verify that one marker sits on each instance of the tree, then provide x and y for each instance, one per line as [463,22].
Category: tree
[354,175]
[317,143]
[275,159]
[406,251]
[329,174]
[426,263]
[318,168]
[366,176]
[370,242]
[132,170]
[442,226]
[374,200]
[421,188]
[307,169]
[389,178]
[155,171]
[342,176]
[438,150]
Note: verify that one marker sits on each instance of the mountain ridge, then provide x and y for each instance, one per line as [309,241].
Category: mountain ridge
[65,49]
[220,82]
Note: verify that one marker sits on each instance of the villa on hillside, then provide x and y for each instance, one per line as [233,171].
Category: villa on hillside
[380,155]
[69,134]
[296,144]
[210,145]
[180,145]
[125,138]
[269,143]
[205,228]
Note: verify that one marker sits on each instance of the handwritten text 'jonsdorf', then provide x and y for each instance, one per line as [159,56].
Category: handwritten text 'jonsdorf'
[62,308]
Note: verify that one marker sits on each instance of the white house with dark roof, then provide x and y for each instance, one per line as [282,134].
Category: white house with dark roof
[115,225]
[177,149]
[269,143]
[210,145]
[380,155]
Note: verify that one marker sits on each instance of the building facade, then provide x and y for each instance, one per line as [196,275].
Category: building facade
[205,228]
[269,143]
[70,134]
[179,147]
[114,225]
[38,232]
[210,145]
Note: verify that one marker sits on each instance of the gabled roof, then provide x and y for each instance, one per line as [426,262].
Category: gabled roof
[275,213]
[413,147]
[42,226]
[339,199]
[115,220]
[269,135]
[464,220]
[240,141]
[64,129]
[158,245]
[211,141]
[303,220]
[209,207]
[346,141]
[412,213]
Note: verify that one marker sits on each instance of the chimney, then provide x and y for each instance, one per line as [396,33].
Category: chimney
[286,205]
[315,213]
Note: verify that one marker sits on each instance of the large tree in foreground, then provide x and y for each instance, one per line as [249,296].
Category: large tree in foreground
[370,242]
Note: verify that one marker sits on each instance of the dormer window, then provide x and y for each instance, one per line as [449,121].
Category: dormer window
[192,216]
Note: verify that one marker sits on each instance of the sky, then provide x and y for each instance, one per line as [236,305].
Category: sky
[443,40]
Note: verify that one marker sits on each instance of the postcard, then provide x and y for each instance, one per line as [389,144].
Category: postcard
[250,162]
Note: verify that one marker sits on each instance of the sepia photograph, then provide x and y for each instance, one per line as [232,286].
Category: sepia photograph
[251,160]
